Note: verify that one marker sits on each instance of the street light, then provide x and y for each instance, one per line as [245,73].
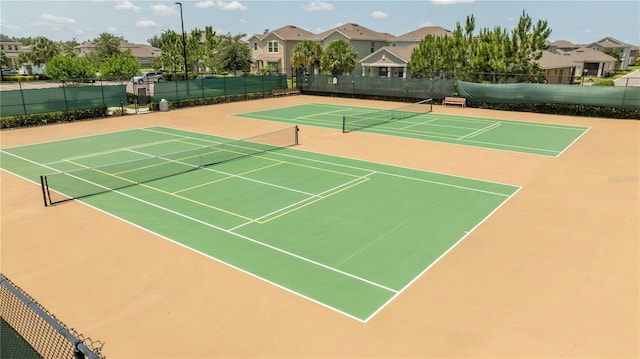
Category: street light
[184,43]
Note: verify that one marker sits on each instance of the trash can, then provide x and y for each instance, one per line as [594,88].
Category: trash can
[164,105]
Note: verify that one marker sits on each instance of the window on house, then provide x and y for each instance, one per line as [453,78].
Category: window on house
[373,46]
[273,46]
[255,45]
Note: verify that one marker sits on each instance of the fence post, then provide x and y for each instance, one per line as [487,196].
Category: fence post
[24,105]
[66,103]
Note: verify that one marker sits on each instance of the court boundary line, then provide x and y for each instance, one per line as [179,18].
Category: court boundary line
[467,233]
[381,130]
[391,174]
[396,292]
[218,260]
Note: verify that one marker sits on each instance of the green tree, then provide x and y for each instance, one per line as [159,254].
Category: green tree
[43,50]
[107,45]
[527,43]
[69,68]
[4,60]
[120,67]
[493,52]
[616,55]
[67,47]
[338,58]
[209,49]
[306,55]
[24,58]
[234,57]
[425,58]
[171,59]
[232,54]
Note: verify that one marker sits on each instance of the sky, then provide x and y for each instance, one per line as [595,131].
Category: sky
[579,22]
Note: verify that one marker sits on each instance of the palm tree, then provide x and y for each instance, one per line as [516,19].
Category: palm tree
[307,55]
[339,58]
[43,50]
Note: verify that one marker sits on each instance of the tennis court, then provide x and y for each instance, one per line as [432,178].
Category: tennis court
[346,234]
[417,121]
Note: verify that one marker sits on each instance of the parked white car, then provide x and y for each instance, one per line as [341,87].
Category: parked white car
[151,76]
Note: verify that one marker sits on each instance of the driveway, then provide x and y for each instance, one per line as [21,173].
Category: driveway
[632,79]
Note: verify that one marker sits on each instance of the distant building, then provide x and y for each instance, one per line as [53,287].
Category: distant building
[144,53]
[558,69]
[12,49]
[274,49]
[363,40]
[626,52]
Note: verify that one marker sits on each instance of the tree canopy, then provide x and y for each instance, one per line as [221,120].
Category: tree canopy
[338,58]
[492,51]
[306,55]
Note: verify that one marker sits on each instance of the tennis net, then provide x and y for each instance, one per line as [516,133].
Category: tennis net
[363,120]
[68,185]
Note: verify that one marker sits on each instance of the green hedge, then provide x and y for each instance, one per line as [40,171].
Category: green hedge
[563,109]
[38,119]
[213,100]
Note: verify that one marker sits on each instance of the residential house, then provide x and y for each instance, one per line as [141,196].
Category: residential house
[627,52]
[559,46]
[590,62]
[144,53]
[364,41]
[274,49]
[558,69]
[416,36]
[389,61]
[12,49]
[394,60]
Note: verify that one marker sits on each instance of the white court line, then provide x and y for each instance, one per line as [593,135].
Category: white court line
[391,174]
[293,205]
[490,127]
[213,226]
[280,250]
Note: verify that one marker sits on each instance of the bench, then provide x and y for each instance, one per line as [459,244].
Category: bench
[285,92]
[455,101]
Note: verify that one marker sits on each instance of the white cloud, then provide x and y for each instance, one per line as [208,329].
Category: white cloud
[317,6]
[164,10]
[224,5]
[127,5]
[146,23]
[243,21]
[378,14]
[112,29]
[52,19]
[451,2]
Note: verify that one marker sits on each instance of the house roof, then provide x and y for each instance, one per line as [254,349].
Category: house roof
[291,32]
[355,32]
[563,44]
[5,38]
[586,54]
[610,42]
[403,53]
[550,60]
[419,34]
[137,50]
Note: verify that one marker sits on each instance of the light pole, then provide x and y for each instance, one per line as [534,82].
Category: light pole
[184,44]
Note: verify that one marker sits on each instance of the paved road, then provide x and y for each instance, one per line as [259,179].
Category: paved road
[132,88]
[632,79]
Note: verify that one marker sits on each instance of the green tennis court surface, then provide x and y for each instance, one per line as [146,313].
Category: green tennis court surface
[346,234]
[526,137]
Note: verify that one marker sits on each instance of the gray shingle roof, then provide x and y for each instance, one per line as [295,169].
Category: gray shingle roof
[356,32]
